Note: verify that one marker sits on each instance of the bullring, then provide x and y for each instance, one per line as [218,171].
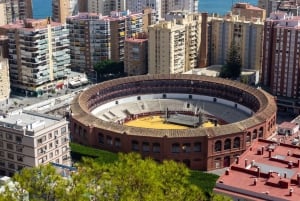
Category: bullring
[199,148]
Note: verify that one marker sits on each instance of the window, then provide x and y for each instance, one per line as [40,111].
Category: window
[186,147]
[2,163]
[135,145]
[254,135]
[9,136]
[197,147]
[10,146]
[218,145]
[56,133]
[100,138]
[145,147]
[63,130]
[50,135]
[1,153]
[19,148]
[236,142]
[1,143]
[117,142]
[1,134]
[20,158]
[175,148]
[10,156]
[227,144]
[18,139]
[109,140]
[156,147]
[11,166]
[248,137]
[51,155]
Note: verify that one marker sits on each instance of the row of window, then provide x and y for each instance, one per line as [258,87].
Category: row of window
[228,144]
[8,136]
[43,138]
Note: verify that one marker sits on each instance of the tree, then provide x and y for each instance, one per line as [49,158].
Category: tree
[109,69]
[233,66]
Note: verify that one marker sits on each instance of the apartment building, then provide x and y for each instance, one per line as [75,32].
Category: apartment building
[281,55]
[247,35]
[95,38]
[13,10]
[175,44]
[4,73]
[61,9]
[136,55]
[269,5]
[39,55]
[104,7]
[30,139]
[248,11]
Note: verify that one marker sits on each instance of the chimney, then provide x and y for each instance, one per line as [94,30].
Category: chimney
[288,153]
[227,171]
[255,181]
[284,174]
[290,164]
[238,160]
[291,191]
[298,178]
[262,150]
[298,163]
[246,163]
[270,153]
[258,172]
[270,173]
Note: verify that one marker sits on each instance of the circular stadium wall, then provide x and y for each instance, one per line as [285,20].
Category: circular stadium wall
[199,148]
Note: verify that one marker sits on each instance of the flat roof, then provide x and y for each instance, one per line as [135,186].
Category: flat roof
[278,173]
[32,121]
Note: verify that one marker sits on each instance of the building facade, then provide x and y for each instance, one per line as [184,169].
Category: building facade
[30,139]
[175,45]
[39,55]
[281,55]
[95,38]
[104,7]
[4,73]
[13,10]
[247,35]
[248,11]
[61,9]
[136,55]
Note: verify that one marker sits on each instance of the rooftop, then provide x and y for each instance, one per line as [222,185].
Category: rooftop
[266,171]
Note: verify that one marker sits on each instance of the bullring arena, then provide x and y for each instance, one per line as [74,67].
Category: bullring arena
[201,121]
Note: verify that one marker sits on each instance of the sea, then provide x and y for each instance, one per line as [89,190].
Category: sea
[42,8]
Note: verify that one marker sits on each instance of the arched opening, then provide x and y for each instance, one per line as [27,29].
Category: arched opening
[100,138]
[186,147]
[261,132]
[217,163]
[145,147]
[109,140]
[134,145]
[117,142]
[156,147]
[226,162]
[227,144]
[248,137]
[218,146]
[237,142]
[254,135]
[197,147]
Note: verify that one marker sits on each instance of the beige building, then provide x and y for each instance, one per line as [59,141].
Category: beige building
[248,11]
[4,73]
[175,45]
[39,55]
[136,55]
[30,139]
[247,35]
[13,10]
[61,9]
[104,7]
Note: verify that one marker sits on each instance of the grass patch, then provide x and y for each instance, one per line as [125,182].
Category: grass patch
[79,151]
[205,181]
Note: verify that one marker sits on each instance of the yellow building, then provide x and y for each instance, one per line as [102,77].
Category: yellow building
[61,9]
[247,35]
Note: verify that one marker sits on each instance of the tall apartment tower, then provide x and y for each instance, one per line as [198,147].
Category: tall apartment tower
[4,72]
[136,55]
[30,139]
[248,11]
[281,60]
[95,38]
[13,10]
[39,55]
[175,44]
[247,35]
[61,9]
[104,7]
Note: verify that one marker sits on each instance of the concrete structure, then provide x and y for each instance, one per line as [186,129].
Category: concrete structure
[95,38]
[204,149]
[38,55]
[178,44]
[288,128]
[136,55]
[4,72]
[269,5]
[105,7]
[248,11]
[30,139]
[247,35]
[266,171]
[13,10]
[61,9]
[280,71]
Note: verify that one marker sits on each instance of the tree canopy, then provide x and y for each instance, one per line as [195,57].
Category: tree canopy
[109,69]
[130,178]
[233,66]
